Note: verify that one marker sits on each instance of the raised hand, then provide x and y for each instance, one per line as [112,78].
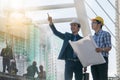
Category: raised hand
[49,19]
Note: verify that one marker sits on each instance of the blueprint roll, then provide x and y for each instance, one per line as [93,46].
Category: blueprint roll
[85,51]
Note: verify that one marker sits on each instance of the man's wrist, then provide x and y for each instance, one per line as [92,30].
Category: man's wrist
[51,23]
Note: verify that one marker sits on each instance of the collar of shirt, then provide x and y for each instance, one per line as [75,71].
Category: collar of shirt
[100,31]
[75,37]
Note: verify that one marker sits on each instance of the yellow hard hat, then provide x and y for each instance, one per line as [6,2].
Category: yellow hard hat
[99,19]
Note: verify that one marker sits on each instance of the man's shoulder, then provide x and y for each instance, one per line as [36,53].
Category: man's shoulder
[81,37]
[68,34]
[105,32]
[30,66]
[3,48]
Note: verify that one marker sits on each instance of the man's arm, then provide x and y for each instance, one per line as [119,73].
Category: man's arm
[2,52]
[107,41]
[57,33]
[11,53]
[37,70]
[107,49]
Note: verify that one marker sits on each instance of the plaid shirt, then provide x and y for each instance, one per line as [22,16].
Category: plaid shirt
[103,40]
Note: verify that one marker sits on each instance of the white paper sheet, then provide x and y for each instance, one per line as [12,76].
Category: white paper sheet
[85,50]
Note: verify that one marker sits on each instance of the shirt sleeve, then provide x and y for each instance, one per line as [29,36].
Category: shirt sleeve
[56,32]
[107,40]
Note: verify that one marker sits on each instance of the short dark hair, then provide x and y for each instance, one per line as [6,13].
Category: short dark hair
[99,22]
[79,25]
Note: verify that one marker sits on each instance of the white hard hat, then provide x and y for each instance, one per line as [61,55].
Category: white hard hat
[75,21]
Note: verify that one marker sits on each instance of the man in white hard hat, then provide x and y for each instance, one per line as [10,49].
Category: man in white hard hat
[72,64]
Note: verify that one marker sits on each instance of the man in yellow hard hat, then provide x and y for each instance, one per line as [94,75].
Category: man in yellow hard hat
[98,18]
[103,41]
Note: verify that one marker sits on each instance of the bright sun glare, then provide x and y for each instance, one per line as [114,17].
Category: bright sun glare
[15,4]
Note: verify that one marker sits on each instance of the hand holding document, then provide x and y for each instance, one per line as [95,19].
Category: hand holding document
[85,50]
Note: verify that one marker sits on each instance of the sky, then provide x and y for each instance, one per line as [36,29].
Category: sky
[64,27]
